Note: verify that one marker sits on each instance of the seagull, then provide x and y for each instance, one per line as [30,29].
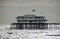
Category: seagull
[33,10]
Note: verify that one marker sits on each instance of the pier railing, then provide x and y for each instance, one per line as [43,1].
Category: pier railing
[54,26]
[47,26]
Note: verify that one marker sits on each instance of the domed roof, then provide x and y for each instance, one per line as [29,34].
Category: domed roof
[29,15]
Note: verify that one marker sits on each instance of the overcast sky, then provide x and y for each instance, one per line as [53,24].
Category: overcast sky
[30,3]
[10,9]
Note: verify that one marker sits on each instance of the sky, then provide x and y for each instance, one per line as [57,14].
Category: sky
[10,9]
